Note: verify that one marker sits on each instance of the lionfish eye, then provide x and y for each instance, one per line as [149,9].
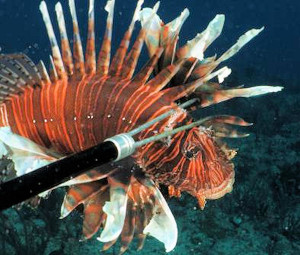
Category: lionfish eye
[192,151]
[189,154]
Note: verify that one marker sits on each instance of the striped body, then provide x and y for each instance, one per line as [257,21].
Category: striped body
[70,116]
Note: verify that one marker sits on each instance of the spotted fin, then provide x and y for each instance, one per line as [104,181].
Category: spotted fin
[17,72]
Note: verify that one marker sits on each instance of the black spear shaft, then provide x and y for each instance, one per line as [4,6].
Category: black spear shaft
[24,187]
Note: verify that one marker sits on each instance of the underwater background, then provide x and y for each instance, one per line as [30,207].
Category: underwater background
[262,213]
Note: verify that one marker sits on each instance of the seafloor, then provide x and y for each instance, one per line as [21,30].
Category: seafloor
[260,216]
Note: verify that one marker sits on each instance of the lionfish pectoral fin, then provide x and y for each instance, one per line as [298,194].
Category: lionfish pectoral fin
[207,65]
[162,225]
[222,125]
[115,210]
[89,176]
[26,155]
[80,193]
[210,94]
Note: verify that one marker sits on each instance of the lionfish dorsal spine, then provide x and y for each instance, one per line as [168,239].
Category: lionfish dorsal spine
[58,65]
[119,56]
[170,37]
[90,53]
[105,52]
[52,70]
[165,76]
[77,45]
[133,55]
[196,47]
[65,44]
[143,75]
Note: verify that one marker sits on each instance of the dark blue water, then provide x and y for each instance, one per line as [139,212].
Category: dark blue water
[273,53]
[262,215]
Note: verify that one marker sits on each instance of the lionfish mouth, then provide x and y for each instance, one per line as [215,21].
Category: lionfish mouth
[82,101]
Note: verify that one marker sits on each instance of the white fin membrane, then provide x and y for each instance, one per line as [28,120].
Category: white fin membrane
[162,226]
[26,155]
[115,210]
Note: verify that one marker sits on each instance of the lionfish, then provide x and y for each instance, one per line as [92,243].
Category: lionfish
[81,101]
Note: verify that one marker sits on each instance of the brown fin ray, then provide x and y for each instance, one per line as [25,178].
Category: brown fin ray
[17,72]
